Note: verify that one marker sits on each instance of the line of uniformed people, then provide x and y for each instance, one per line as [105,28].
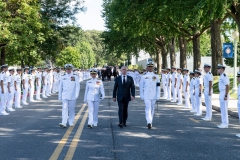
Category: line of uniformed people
[192,85]
[15,88]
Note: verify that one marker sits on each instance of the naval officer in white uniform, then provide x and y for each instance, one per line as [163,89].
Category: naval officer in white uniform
[223,86]
[150,92]
[68,93]
[94,93]
[207,82]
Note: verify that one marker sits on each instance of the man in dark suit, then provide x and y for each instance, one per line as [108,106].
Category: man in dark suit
[124,90]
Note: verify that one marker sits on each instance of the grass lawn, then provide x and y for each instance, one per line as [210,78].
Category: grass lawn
[215,86]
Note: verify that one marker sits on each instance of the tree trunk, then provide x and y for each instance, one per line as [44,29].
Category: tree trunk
[158,60]
[196,52]
[183,52]
[216,45]
[172,53]
[3,56]
[164,58]
[22,64]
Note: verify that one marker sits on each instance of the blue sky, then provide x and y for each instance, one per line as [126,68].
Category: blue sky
[91,19]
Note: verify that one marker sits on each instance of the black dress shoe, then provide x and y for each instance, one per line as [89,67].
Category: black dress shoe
[149,125]
[90,126]
[124,124]
[120,125]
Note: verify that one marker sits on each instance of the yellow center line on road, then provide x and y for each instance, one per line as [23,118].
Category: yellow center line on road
[194,120]
[76,138]
[63,141]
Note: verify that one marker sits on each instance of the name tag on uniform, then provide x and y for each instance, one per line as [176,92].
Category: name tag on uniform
[72,78]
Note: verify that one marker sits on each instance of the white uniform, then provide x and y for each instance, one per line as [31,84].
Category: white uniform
[3,77]
[94,89]
[186,82]
[48,79]
[169,79]
[223,81]
[68,93]
[32,86]
[192,94]
[55,82]
[44,76]
[150,92]
[164,85]
[11,93]
[17,79]
[174,88]
[38,84]
[25,77]
[198,97]
[179,88]
[208,99]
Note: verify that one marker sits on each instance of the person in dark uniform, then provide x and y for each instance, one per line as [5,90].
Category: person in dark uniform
[124,91]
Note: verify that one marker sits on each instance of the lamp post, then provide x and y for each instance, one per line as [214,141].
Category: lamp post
[235,36]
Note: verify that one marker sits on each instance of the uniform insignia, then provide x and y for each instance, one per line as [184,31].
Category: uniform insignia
[146,77]
[89,82]
[63,74]
[99,78]
[98,83]
[224,75]
[144,73]
[154,78]
[210,73]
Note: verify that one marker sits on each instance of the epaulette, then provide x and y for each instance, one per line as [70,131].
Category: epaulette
[99,78]
[2,72]
[224,75]
[63,74]
[144,73]
[193,77]
[210,73]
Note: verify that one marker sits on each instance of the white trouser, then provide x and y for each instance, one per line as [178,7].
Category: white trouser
[223,107]
[25,93]
[18,96]
[10,98]
[193,100]
[3,99]
[68,105]
[93,112]
[48,89]
[165,90]
[186,96]
[51,87]
[169,96]
[174,93]
[208,103]
[31,91]
[55,86]
[38,92]
[44,90]
[198,101]
[179,93]
[149,110]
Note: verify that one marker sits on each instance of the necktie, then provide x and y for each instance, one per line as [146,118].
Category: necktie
[124,80]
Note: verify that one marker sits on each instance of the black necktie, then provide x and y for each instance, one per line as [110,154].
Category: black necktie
[124,80]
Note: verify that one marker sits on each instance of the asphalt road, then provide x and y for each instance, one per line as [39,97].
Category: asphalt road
[32,133]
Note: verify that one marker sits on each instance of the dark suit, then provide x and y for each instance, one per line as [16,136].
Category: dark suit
[123,94]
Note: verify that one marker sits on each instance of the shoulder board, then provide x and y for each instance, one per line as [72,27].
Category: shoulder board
[193,77]
[63,74]
[74,74]
[10,75]
[16,74]
[144,73]
[99,78]
[224,75]
[210,73]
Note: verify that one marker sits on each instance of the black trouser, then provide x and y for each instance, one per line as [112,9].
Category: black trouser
[123,111]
